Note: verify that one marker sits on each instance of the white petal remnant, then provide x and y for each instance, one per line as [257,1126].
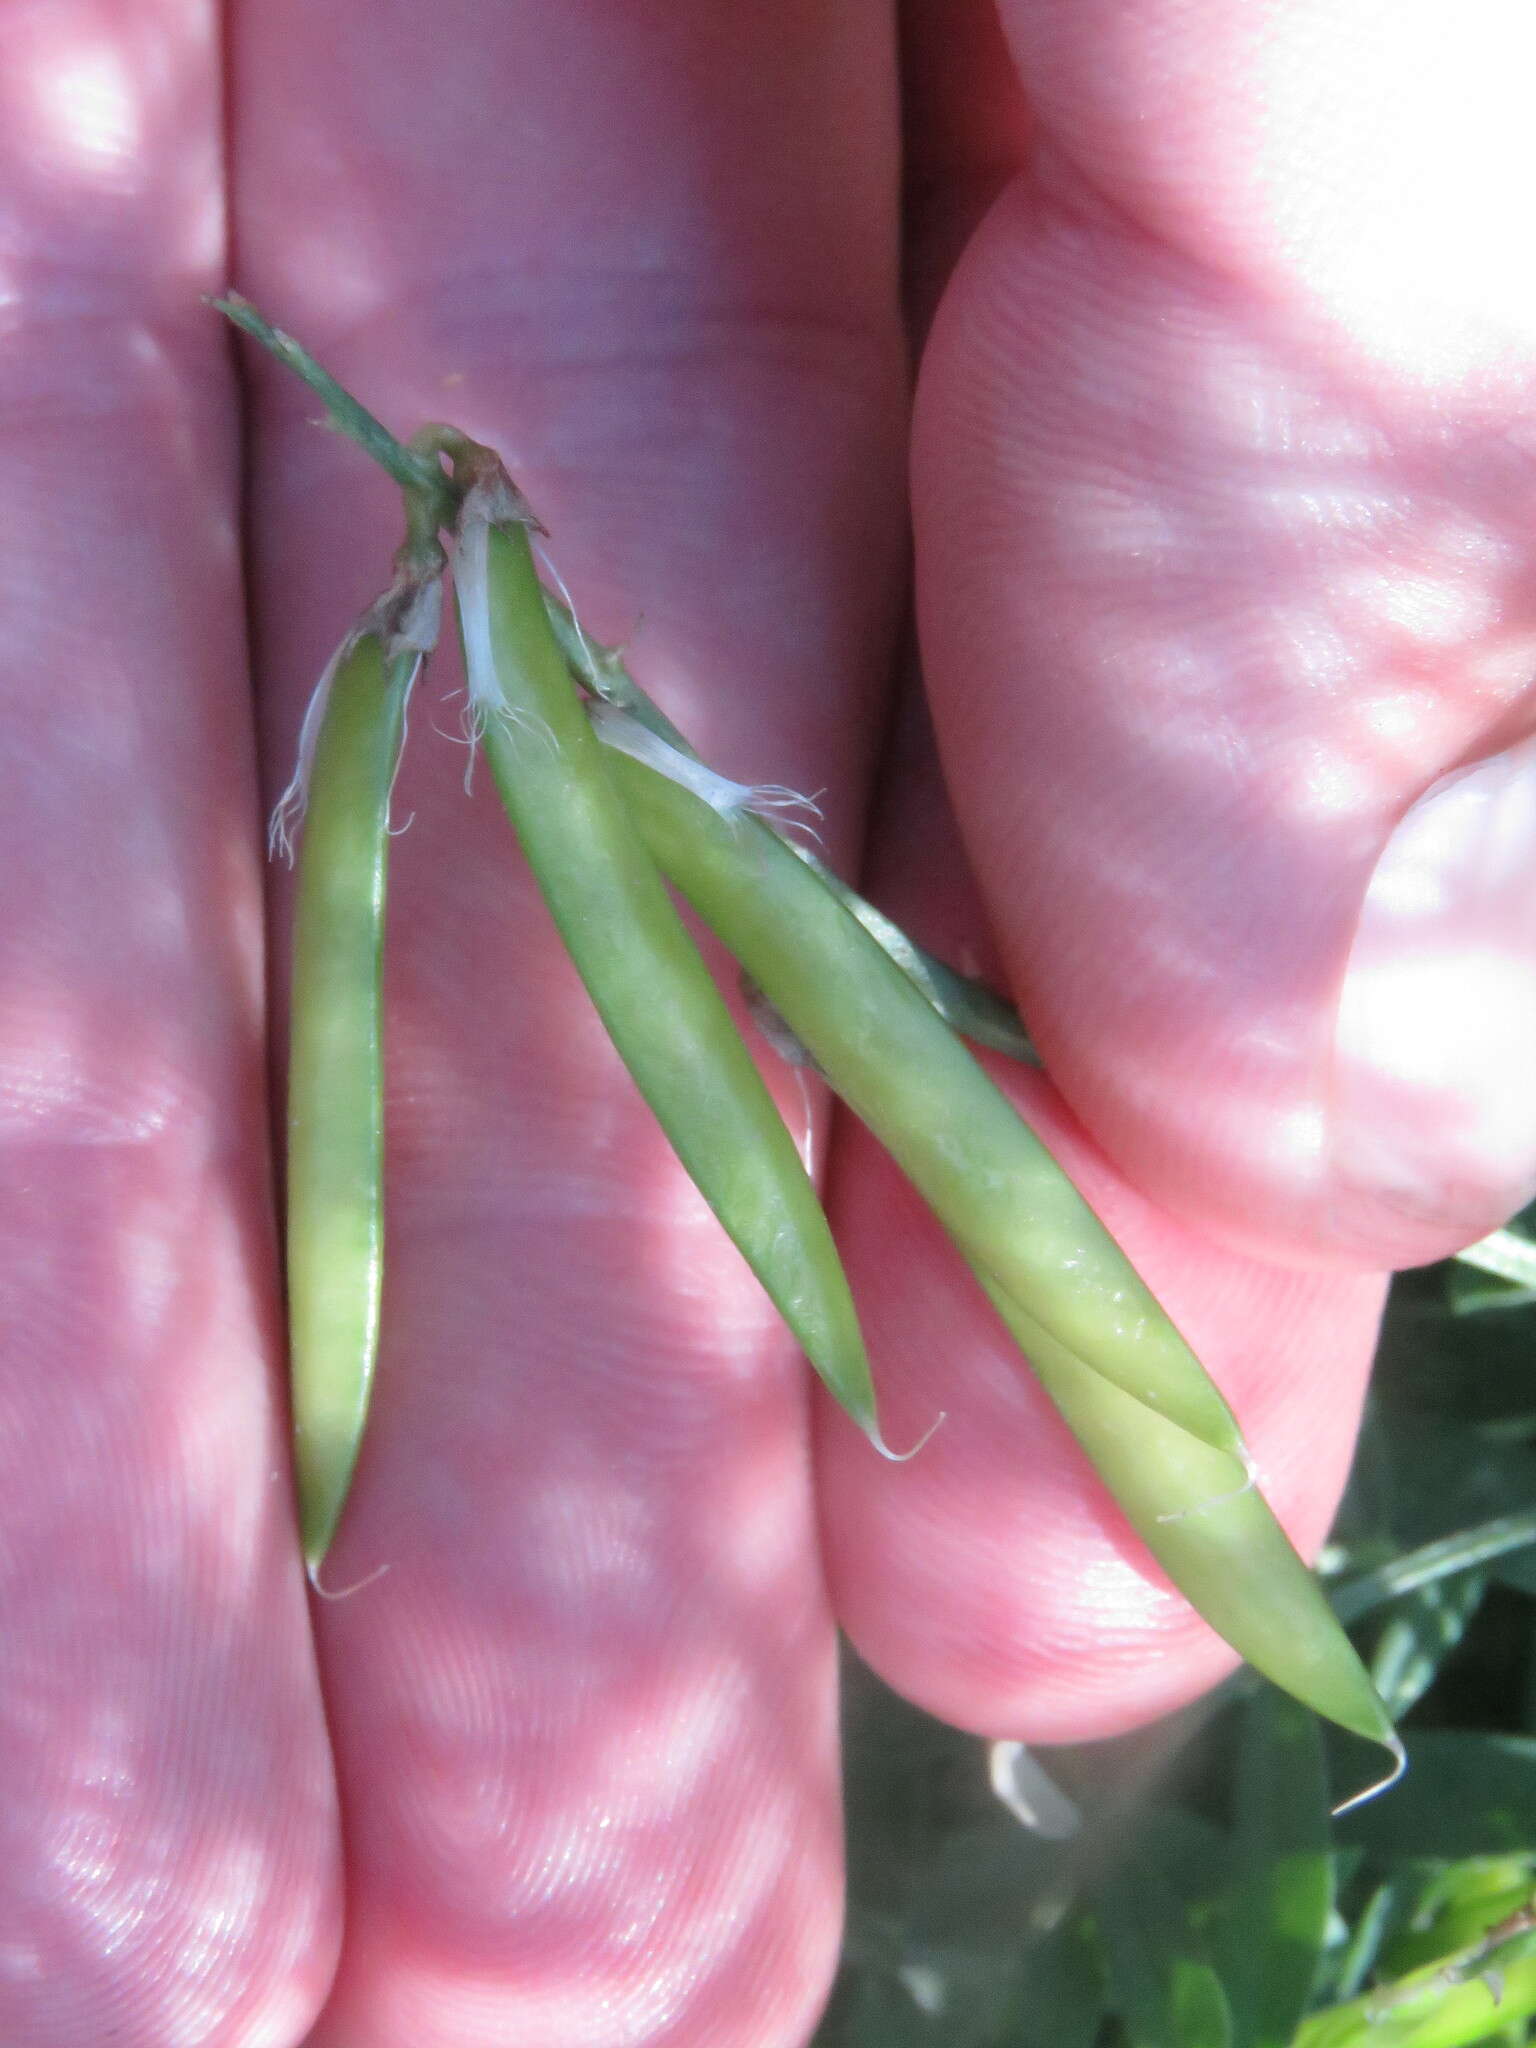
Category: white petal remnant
[626,735]
[406,618]
[492,502]
[288,811]
[471,582]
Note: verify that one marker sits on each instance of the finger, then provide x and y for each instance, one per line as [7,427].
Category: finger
[585,1722]
[1222,509]
[160,1879]
[965,133]
[992,1578]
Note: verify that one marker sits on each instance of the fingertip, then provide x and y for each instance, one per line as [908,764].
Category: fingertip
[1434,1112]
[1191,700]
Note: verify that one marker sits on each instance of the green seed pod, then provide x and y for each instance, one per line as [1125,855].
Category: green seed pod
[668,1021]
[886,1052]
[1132,1391]
[349,754]
[1205,1521]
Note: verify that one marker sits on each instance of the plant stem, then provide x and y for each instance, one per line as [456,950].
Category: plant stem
[412,471]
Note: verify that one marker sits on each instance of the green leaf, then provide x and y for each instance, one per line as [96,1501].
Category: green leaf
[1191,1855]
[1062,2000]
[1270,1925]
[1201,2015]
[978,1886]
[1435,1369]
[1517,1570]
[872,2010]
[1469,1998]
[1507,1254]
[1456,1906]
[1417,1636]
[1503,1540]
[1383,1911]
[1160,1983]
[1468,1293]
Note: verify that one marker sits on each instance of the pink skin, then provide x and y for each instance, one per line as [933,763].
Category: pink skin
[1221,519]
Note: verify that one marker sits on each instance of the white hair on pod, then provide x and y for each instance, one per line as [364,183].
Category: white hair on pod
[626,735]
[288,811]
[547,560]
[471,580]
[407,619]
[485,698]
[406,823]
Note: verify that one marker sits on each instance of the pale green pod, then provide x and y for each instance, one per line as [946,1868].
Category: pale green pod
[1204,1519]
[657,999]
[877,1039]
[335,1170]
[1134,1394]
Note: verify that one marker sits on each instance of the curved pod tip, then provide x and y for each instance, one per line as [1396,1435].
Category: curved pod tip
[312,1569]
[871,1429]
[1392,1743]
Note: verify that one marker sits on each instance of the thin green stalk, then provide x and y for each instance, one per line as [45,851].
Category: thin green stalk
[643,972]
[413,471]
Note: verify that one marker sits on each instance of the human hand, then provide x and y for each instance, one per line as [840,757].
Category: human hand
[581,1732]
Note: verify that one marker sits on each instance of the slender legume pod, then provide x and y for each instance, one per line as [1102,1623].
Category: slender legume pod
[880,1044]
[1135,1395]
[1204,1519]
[667,1019]
[335,1221]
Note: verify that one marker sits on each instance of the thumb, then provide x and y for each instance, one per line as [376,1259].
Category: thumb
[1227,625]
